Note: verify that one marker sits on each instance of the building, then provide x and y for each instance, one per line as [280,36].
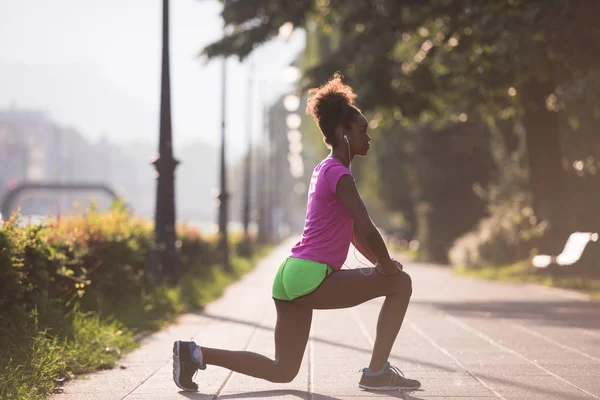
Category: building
[33,148]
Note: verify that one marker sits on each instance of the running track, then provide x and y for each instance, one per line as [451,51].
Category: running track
[463,339]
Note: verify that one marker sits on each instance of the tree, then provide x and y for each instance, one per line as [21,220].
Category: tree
[424,55]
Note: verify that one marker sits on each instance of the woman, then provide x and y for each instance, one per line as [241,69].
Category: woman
[311,277]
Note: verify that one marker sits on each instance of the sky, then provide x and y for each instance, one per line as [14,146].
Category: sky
[95,66]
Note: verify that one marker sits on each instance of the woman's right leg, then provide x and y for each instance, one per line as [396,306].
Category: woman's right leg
[348,288]
[291,335]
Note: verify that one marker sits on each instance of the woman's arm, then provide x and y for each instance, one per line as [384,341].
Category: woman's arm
[359,242]
[367,232]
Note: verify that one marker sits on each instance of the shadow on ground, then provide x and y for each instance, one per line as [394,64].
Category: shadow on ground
[581,314]
[568,313]
[328,342]
[265,394]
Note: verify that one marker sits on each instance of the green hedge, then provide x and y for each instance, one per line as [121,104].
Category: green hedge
[75,292]
[509,234]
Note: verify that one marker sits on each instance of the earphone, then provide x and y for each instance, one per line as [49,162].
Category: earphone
[355,256]
[360,263]
[348,144]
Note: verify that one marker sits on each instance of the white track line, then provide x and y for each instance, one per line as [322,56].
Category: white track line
[415,328]
[146,380]
[554,342]
[362,327]
[248,342]
[170,360]
[369,338]
[500,346]
[591,333]
[310,369]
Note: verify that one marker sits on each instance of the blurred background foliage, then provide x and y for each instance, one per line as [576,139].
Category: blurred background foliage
[483,114]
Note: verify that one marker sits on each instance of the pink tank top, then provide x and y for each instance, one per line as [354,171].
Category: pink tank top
[328,226]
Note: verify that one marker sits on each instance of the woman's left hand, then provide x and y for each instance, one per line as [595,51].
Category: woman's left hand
[398,264]
[382,271]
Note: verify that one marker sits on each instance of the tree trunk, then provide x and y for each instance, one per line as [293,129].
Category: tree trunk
[544,156]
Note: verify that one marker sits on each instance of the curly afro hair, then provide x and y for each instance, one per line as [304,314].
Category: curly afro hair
[331,105]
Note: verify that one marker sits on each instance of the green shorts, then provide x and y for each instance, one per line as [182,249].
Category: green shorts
[297,277]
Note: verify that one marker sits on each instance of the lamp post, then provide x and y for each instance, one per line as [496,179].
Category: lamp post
[165,250]
[292,120]
[268,172]
[223,197]
[263,160]
[247,173]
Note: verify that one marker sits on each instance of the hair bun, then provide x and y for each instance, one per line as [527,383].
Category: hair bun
[331,104]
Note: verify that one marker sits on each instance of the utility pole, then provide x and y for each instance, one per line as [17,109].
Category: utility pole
[274,165]
[248,169]
[264,223]
[165,251]
[223,244]
[269,176]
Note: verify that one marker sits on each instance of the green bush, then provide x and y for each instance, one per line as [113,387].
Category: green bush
[509,234]
[75,292]
[511,231]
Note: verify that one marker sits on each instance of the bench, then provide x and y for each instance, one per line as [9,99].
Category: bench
[572,252]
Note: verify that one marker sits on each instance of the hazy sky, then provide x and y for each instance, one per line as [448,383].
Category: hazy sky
[95,65]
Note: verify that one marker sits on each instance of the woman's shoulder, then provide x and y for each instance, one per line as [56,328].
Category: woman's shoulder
[329,172]
[330,163]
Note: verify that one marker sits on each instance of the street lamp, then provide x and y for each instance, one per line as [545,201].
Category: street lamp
[164,226]
[275,215]
[293,121]
[223,197]
[291,73]
[264,202]
[267,179]
[246,247]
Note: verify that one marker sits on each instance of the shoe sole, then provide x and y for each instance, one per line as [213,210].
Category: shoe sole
[388,388]
[177,367]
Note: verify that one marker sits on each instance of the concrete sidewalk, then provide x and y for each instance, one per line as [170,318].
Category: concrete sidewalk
[463,338]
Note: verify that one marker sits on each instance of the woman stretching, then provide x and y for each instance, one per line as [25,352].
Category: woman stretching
[311,277]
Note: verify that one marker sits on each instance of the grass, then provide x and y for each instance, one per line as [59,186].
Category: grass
[406,255]
[35,359]
[523,272]
[403,252]
[157,308]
